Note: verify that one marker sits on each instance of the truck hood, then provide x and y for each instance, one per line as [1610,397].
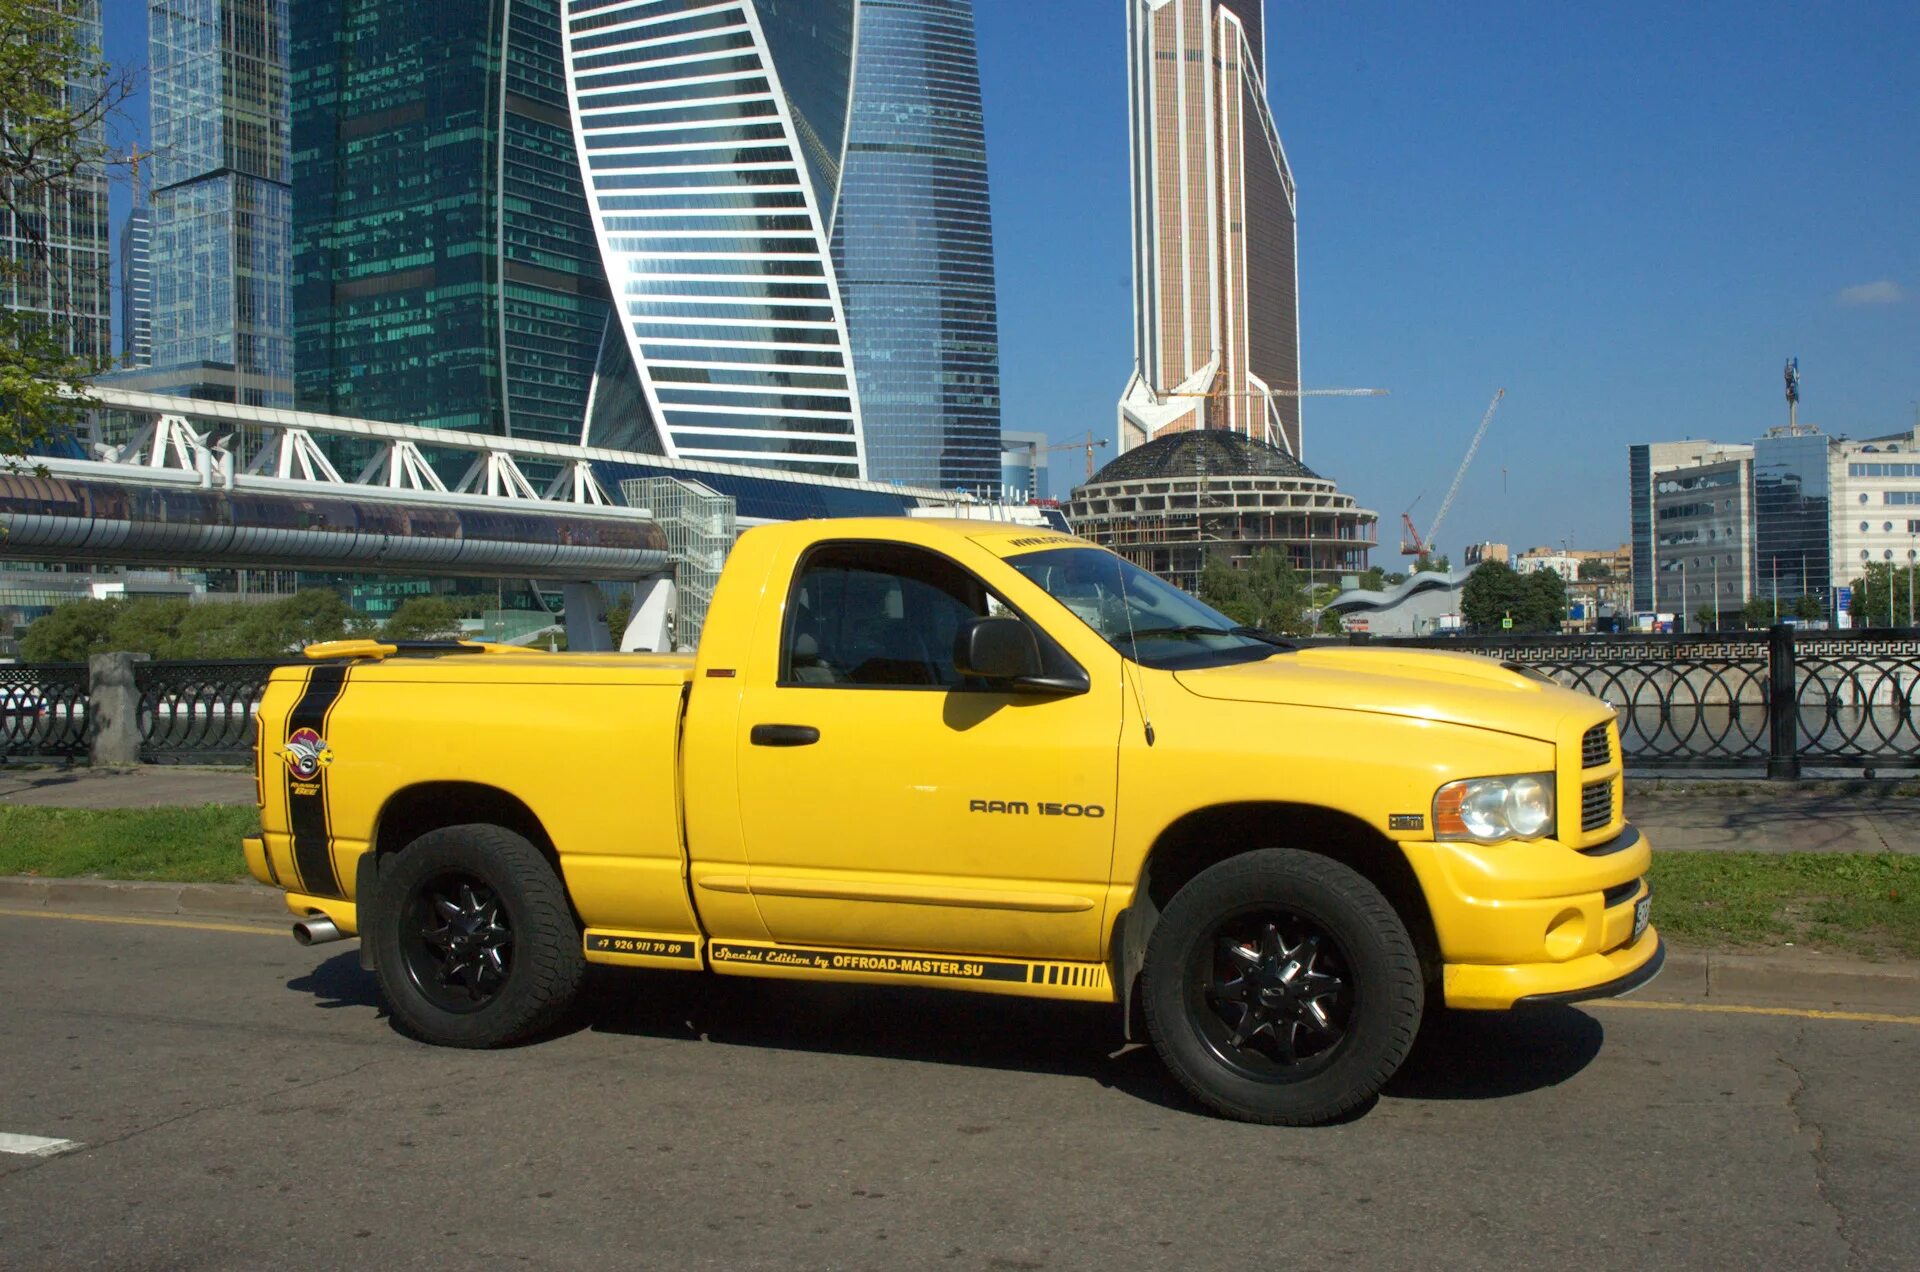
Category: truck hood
[1461,689]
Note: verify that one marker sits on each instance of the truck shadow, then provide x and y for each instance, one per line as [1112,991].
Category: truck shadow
[1458,1055]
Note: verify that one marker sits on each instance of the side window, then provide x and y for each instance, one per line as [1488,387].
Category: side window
[878,614]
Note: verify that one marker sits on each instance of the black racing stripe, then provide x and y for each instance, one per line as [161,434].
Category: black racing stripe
[307,798]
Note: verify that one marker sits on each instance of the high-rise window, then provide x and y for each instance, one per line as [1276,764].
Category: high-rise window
[913,244]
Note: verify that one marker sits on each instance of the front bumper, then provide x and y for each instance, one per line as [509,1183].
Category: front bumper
[1538,920]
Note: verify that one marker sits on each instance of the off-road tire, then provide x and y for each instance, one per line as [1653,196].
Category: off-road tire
[1382,1016]
[544,962]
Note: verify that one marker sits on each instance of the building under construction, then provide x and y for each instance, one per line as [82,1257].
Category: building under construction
[1172,504]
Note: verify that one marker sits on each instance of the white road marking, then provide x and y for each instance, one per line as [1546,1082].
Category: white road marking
[35,1145]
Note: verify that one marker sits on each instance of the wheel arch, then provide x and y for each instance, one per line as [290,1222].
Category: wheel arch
[1207,836]
[412,811]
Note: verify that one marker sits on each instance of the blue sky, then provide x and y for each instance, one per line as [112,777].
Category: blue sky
[1627,215]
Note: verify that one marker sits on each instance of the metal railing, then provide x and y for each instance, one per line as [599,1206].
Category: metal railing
[199,712]
[43,712]
[1776,699]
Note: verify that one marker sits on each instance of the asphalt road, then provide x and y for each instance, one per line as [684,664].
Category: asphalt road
[240,1102]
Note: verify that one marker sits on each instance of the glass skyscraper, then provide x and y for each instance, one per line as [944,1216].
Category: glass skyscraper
[57,249]
[136,289]
[445,271]
[913,245]
[712,139]
[220,212]
[1215,259]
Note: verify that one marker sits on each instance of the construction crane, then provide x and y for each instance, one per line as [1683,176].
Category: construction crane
[1086,445]
[1412,544]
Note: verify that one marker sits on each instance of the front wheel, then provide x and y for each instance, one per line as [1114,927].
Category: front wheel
[474,942]
[1281,987]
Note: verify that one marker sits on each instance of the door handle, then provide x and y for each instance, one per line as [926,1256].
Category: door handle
[783,735]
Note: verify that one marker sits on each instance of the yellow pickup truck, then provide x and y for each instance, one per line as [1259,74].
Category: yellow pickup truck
[973,756]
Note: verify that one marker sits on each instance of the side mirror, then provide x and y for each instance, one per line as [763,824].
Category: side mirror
[997,648]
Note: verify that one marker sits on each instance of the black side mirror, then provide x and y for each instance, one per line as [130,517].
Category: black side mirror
[996,648]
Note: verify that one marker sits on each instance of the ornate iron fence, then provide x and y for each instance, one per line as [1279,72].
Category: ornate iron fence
[43,712]
[1775,699]
[199,712]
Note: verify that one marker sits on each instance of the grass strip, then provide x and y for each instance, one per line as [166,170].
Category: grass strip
[1855,903]
[173,845]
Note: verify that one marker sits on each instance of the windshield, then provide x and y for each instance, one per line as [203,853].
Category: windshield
[1145,618]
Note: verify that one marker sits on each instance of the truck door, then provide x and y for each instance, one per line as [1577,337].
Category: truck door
[887,802]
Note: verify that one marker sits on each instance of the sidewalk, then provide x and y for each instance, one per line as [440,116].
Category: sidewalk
[1777,820]
[149,786]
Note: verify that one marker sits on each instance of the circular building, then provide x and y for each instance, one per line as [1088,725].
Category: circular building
[1170,504]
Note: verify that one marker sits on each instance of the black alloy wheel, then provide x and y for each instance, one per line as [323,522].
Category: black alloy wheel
[1271,994]
[473,938]
[457,940]
[1280,986]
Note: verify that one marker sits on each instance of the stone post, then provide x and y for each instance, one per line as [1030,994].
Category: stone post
[113,709]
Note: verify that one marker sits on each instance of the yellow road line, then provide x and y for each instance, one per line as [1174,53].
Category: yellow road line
[1742,1009]
[144,922]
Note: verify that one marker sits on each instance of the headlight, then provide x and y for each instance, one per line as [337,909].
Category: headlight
[1489,809]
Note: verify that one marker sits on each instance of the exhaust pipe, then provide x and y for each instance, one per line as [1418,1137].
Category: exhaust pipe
[317,929]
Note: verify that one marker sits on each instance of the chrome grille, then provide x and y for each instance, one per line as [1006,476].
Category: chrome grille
[1596,805]
[1596,748]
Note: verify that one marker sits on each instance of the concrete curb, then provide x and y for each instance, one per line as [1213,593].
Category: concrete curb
[1803,979]
[115,896]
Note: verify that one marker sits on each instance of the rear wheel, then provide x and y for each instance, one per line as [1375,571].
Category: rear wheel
[473,939]
[1281,987]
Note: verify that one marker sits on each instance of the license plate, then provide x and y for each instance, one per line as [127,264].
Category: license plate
[1642,911]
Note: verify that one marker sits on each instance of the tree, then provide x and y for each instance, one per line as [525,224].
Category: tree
[1265,594]
[1808,609]
[1595,568]
[1374,580]
[56,98]
[1331,623]
[1431,565]
[1705,618]
[1758,612]
[171,627]
[1544,605]
[1492,592]
[68,633]
[423,618]
[1871,596]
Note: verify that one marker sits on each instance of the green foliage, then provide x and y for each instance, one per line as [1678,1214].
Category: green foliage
[51,133]
[1330,623]
[1758,612]
[1537,602]
[1594,568]
[1374,579]
[180,845]
[1808,608]
[1269,593]
[1705,619]
[423,618]
[174,628]
[1431,565]
[1870,595]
